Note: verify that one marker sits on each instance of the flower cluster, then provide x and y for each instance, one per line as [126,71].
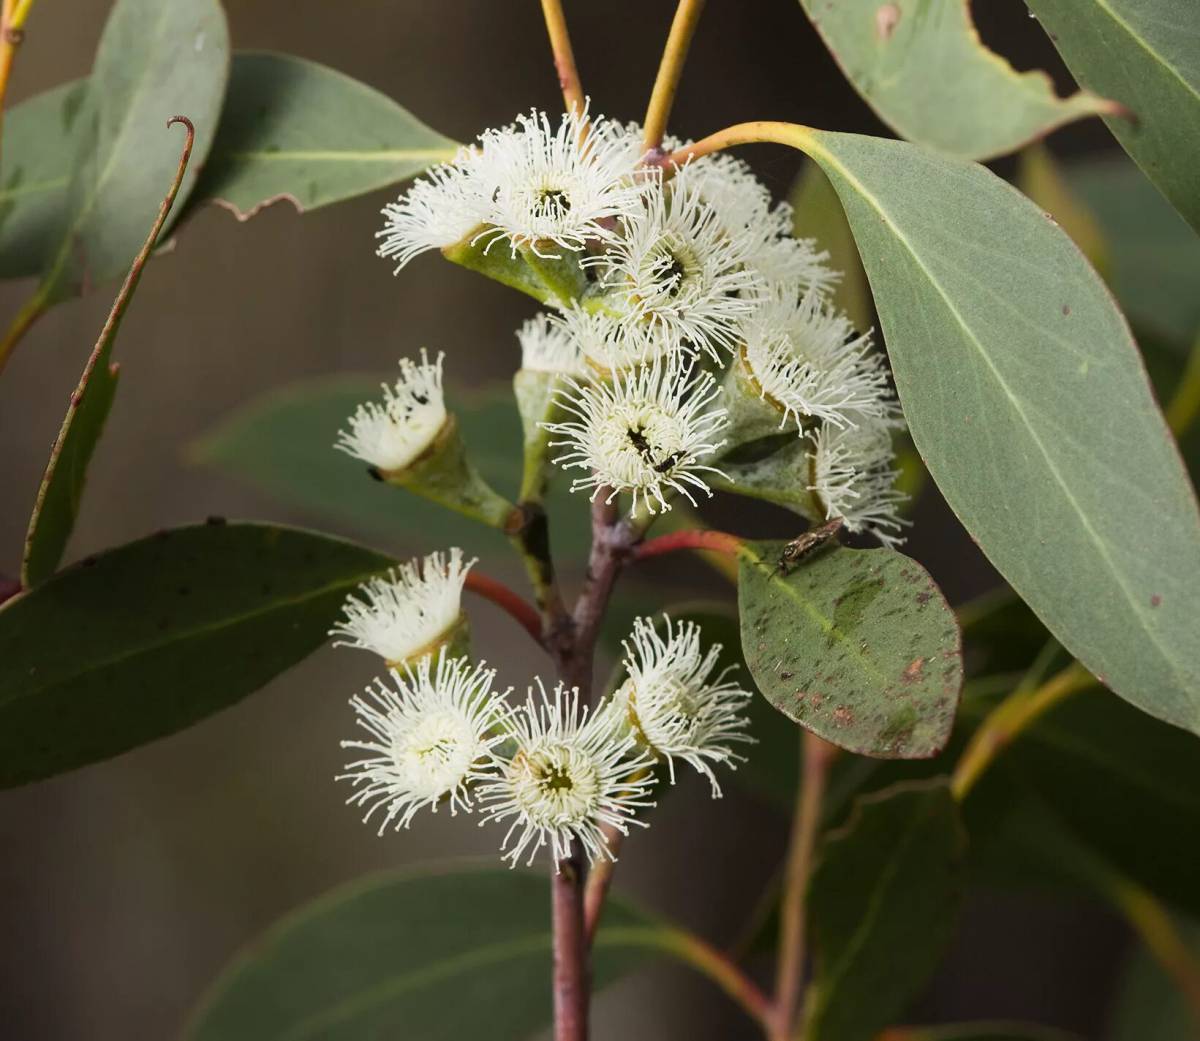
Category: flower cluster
[687,270]
[439,732]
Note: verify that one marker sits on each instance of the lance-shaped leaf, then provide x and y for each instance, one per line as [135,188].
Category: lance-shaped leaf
[61,490]
[884,900]
[1146,55]
[439,954]
[859,646]
[35,170]
[146,639]
[921,66]
[1027,399]
[155,60]
[297,130]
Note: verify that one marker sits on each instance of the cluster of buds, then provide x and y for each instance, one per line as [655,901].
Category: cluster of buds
[441,733]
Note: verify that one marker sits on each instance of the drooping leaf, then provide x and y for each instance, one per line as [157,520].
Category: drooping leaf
[817,214]
[282,442]
[155,60]
[35,170]
[146,639]
[61,490]
[1155,254]
[431,953]
[1040,176]
[1146,55]
[921,66]
[1011,362]
[297,130]
[884,900]
[859,646]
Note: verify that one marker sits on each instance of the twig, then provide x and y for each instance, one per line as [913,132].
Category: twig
[718,541]
[670,69]
[793,913]
[564,56]
[1008,719]
[500,595]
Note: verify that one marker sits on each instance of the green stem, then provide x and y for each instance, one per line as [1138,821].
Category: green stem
[670,69]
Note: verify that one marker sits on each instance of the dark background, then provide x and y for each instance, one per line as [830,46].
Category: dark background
[126,885]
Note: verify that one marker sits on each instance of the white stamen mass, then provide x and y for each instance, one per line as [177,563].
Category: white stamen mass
[644,432]
[571,774]
[408,611]
[546,346]
[391,435]
[854,477]
[674,705]
[609,343]
[440,209]
[431,737]
[810,363]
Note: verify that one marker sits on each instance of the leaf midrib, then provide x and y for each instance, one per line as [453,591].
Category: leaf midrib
[1144,44]
[1094,537]
[226,622]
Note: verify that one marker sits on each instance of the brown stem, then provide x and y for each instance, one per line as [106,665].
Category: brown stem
[564,56]
[670,69]
[571,983]
[793,912]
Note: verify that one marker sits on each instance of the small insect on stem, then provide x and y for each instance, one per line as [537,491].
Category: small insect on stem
[804,546]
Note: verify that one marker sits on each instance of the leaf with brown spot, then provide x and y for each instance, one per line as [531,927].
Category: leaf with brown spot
[842,644]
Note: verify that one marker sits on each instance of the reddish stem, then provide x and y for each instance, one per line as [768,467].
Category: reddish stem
[500,595]
[717,541]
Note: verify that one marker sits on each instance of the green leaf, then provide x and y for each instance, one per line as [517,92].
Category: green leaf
[1013,365]
[859,646]
[156,60]
[1149,1005]
[1040,176]
[429,953]
[1155,256]
[921,66]
[283,442]
[1146,55]
[146,639]
[297,130]
[884,901]
[35,170]
[61,491]
[817,213]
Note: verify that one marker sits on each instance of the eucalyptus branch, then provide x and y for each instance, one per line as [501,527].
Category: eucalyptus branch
[670,69]
[564,56]
[1009,718]
[814,771]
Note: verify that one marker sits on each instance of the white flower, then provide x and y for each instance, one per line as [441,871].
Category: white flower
[853,476]
[572,774]
[809,362]
[608,342]
[672,702]
[431,739]
[547,346]
[440,209]
[681,271]
[409,611]
[794,265]
[644,432]
[391,435]
[556,187]
[741,200]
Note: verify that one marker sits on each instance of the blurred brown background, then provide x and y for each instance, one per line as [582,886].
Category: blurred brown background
[125,886]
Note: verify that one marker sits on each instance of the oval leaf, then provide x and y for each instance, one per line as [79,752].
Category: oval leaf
[146,639]
[430,954]
[35,170]
[1027,399]
[296,130]
[859,646]
[1145,54]
[156,60]
[921,66]
[884,899]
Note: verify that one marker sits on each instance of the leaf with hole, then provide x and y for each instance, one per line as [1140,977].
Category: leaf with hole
[1011,362]
[297,130]
[146,639]
[921,66]
[884,897]
[858,646]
